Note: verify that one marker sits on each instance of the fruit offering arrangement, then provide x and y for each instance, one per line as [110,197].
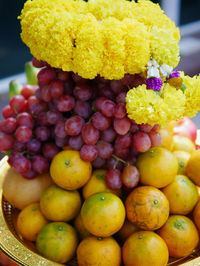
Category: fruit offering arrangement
[99,162]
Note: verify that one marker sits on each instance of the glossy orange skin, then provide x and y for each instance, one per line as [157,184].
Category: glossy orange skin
[147,207]
[183,158]
[103,214]
[193,167]
[157,167]
[182,195]
[93,251]
[196,215]
[167,139]
[145,248]
[180,234]
[127,229]
[80,228]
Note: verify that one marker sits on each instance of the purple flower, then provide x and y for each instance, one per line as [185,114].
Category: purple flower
[154,84]
[174,74]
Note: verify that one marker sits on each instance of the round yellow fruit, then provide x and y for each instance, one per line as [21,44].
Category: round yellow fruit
[99,252]
[127,229]
[103,214]
[157,167]
[97,184]
[69,171]
[182,143]
[57,241]
[167,139]
[193,167]
[80,228]
[30,221]
[21,192]
[60,205]
[183,158]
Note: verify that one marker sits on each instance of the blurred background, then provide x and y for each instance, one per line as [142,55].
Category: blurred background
[13,53]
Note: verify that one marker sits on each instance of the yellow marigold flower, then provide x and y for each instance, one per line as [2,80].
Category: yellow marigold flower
[137,46]
[192,94]
[145,106]
[164,47]
[114,52]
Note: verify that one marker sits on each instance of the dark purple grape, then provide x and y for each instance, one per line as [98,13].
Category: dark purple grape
[100,121]
[61,142]
[19,146]
[73,125]
[76,142]
[82,109]
[53,116]
[88,153]
[113,179]
[40,164]
[98,163]
[105,149]
[34,146]
[49,150]
[60,129]
[42,133]
[21,165]
[108,135]
[23,134]
[90,134]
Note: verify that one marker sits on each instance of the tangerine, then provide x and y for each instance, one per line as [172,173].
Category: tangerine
[183,158]
[127,229]
[196,215]
[167,139]
[193,167]
[180,235]
[80,228]
[182,143]
[103,214]
[69,171]
[157,167]
[147,207]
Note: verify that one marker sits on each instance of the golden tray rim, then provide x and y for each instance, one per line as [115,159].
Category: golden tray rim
[13,247]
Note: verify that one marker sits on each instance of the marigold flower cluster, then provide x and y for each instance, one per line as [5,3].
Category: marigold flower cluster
[105,37]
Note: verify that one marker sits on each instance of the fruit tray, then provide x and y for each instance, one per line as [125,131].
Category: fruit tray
[24,252]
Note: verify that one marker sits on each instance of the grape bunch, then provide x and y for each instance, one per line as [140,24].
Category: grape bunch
[87,115]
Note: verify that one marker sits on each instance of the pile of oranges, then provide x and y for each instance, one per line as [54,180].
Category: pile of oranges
[78,216]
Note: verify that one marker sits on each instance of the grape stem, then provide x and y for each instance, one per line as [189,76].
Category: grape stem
[119,159]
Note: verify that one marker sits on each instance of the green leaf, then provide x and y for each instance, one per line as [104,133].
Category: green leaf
[8,152]
[14,88]
[31,73]
[184,87]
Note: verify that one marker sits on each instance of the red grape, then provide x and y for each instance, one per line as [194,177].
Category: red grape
[128,79]
[73,125]
[32,100]
[25,119]
[83,92]
[28,90]
[134,128]
[42,119]
[53,116]
[100,121]
[88,153]
[38,63]
[122,126]
[23,134]
[49,150]
[130,176]
[13,156]
[7,111]
[6,142]
[155,127]
[113,179]
[65,103]
[145,128]
[18,103]
[120,110]
[121,98]
[29,174]
[60,129]
[34,146]
[56,88]
[38,107]
[116,86]
[155,138]
[19,146]
[45,93]
[40,164]
[108,108]
[82,109]
[68,87]
[108,134]
[42,133]
[138,80]
[76,142]
[98,103]
[105,149]
[113,163]
[78,79]
[90,134]
[8,126]
[46,75]
[106,92]
[98,162]
[61,142]
[141,141]
[38,94]
[123,141]
[22,165]
[63,75]
[121,153]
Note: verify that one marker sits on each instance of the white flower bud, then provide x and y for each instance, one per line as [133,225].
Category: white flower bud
[153,72]
[166,70]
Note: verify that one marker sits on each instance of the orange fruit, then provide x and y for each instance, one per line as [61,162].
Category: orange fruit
[193,167]
[157,167]
[196,215]
[80,228]
[69,171]
[127,229]
[167,139]
[182,195]
[183,158]
[30,221]
[145,248]
[198,189]
[103,214]
[147,207]
[57,241]
[21,192]
[182,143]
[180,235]
[60,205]
[97,184]
[99,252]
